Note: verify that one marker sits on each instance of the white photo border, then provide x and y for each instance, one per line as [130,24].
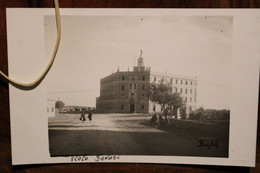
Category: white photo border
[29,123]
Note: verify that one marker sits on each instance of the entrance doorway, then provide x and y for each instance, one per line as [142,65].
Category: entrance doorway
[132,108]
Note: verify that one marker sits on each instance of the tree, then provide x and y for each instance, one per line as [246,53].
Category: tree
[199,114]
[162,94]
[202,114]
[59,105]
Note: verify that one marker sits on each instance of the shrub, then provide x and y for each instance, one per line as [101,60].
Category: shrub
[209,114]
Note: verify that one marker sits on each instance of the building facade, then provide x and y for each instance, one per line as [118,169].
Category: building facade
[75,109]
[126,91]
[51,111]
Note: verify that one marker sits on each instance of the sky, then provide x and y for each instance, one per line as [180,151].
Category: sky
[93,47]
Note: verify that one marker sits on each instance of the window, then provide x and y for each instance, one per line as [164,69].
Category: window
[142,107]
[190,91]
[181,90]
[190,82]
[190,109]
[143,87]
[134,86]
[186,91]
[181,81]
[142,95]
[123,77]
[130,86]
[122,95]
[154,78]
[171,80]
[162,79]
[123,87]
[176,81]
[132,94]
[191,99]
[122,107]
[185,99]
[186,82]
[143,78]
[133,78]
[47,109]
[52,109]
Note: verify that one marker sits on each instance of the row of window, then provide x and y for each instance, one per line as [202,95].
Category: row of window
[177,81]
[143,78]
[181,90]
[122,96]
[133,78]
[133,86]
[191,100]
[123,78]
[122,106]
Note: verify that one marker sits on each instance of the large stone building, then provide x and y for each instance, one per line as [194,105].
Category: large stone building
[126,91]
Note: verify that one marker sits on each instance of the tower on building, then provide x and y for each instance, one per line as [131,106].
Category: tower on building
[140,63]
[140,60]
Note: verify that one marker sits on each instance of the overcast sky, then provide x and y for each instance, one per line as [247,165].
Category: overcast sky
[93,46]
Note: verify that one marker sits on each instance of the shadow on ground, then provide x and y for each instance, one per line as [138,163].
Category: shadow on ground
[99,142]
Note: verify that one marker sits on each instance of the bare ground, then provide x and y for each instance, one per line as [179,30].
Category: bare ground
[122,134]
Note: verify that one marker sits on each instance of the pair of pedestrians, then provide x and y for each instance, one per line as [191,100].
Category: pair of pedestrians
[82,116]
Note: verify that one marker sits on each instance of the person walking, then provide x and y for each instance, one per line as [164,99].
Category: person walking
[82,116]
[90,115]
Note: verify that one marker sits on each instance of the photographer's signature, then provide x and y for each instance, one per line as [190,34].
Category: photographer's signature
[208,143]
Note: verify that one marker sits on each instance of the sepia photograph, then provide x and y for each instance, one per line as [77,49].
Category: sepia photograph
[157,86]
[143,85]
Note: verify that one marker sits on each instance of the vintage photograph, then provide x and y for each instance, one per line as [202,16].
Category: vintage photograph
[139,85]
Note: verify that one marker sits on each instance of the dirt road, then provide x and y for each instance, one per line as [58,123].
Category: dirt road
[121,134]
